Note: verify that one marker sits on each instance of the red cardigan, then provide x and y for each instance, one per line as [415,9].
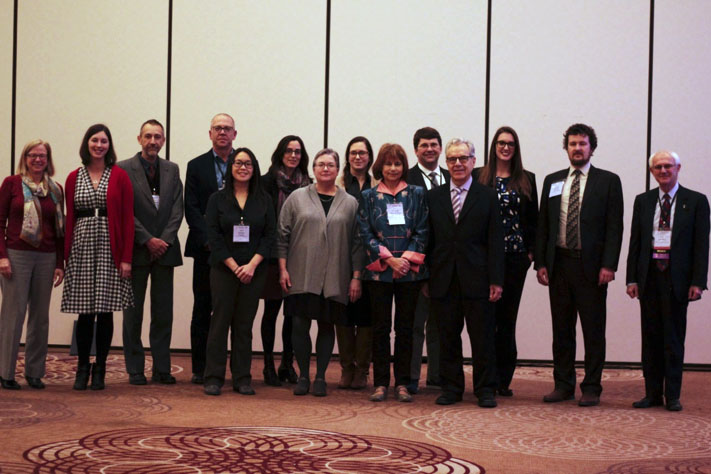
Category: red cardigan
[119,211]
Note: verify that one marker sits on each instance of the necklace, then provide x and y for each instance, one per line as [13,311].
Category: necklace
[329,199]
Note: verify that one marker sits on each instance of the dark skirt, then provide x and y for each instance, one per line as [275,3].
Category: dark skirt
[311,306]
[272,289]
[358,313]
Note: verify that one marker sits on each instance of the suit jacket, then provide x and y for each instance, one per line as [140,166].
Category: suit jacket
[472,249]
[689,254]
[415,176]
[600,223]
[200,183]
[150,222]
[528,213]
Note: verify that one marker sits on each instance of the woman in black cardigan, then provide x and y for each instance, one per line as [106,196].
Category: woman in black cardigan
[518,199]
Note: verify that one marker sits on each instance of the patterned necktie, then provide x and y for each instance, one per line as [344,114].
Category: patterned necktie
[572,228]
[456,202]
[664,224]
[433,179]
[665,214]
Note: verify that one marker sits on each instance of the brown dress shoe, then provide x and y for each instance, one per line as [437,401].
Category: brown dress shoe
[589,400]
[557,395]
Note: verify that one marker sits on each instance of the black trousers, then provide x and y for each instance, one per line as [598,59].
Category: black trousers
[571,294]
[516,267]
[202,311]
[452,312]
[381,304]
[235,306]
[663,335]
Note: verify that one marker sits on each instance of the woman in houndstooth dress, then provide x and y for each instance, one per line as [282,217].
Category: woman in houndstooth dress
[99,247]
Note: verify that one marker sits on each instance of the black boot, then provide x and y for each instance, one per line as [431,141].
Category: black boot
[286,368]
[98,372]
[82,377]
[270,375]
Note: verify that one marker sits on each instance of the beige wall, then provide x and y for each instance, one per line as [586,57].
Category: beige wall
[395,66]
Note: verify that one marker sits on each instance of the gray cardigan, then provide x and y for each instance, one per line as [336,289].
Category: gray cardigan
[321,252]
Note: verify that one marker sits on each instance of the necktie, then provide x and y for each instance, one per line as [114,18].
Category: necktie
[664,224]
[456,202]
[572,228]
[433,179]
[151,172]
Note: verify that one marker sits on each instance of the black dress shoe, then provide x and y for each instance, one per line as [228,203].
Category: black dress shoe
[35,382]
[448,399]
[165,379]
[557,396]
[505,392]
[10,384]
[302,386]
[674,405]
[197,379]
[648,402]
[212,389]
[589,400]
[244,389]
[487,401]
[137,379]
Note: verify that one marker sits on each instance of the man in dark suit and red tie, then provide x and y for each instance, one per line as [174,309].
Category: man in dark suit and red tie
[667,265]
[205,175]
[466,259]
[577,249]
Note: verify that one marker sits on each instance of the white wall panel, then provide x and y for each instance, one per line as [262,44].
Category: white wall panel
[6,18]
[84,62]
[397,66]
[556,63]
[681,105]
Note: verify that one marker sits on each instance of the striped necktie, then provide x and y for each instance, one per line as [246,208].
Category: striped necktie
[456,202]
[572,228]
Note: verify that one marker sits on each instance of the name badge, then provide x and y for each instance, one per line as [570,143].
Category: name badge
[396,215]
[156,200]
[556,189]
[240,233]
[662,239]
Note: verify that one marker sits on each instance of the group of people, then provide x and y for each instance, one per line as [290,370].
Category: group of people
[445,246]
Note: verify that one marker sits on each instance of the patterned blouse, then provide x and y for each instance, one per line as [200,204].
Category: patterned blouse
[510,204]
[382,240]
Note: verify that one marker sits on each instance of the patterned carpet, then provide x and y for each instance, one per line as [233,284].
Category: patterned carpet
[178,429]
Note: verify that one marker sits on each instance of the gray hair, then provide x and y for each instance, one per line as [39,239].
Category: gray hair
[661,153]
[460,141]
[327,151]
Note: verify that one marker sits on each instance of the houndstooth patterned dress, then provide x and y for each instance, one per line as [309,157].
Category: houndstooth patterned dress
[92,283]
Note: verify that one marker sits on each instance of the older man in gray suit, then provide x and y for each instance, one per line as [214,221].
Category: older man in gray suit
[158,212]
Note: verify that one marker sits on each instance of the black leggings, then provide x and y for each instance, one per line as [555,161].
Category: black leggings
[268,328]
[104,334]
[325,341]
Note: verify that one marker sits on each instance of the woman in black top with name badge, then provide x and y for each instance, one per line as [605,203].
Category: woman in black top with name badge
[241,232]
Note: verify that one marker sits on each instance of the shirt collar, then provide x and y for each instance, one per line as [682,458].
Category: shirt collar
[147,164]
[427,172]
[385,190]
[584,170]
[218,159]
[671,193]
[464,187]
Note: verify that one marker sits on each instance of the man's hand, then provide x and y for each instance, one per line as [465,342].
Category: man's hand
[495,293]
[633,290]
[606,276]
[156,247]
[695,292]
[542,276]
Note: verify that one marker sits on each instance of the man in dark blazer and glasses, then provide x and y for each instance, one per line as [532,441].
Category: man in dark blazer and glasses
[667,264]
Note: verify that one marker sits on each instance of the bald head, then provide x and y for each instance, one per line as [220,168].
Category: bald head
[222,134]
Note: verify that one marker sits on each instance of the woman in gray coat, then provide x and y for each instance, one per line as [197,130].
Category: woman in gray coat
[320,259]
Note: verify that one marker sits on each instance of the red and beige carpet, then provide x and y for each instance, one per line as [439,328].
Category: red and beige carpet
[177,429]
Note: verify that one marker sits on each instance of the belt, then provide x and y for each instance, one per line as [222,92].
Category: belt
[572,253]
[95,212]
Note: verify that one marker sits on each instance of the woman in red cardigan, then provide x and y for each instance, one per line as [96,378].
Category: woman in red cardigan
[31,258]
[99,250]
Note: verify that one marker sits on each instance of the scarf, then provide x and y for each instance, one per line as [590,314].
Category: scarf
[32,210]
[287,185]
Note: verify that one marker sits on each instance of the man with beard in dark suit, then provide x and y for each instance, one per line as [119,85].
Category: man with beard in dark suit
[205,175]
[667,264]
[577,249]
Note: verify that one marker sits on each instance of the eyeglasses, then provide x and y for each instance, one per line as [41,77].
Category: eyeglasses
[665,166]
[325,165]
[219,129]
[34,156]
[355,153]
[462,159]
[240,164]
[503,144]
[293,151]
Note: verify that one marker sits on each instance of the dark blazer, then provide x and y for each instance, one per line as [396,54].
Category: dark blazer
[200,183]
[150,222]
[528,213]
[471,249]
[600,223]
[689,257]
[415,176]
